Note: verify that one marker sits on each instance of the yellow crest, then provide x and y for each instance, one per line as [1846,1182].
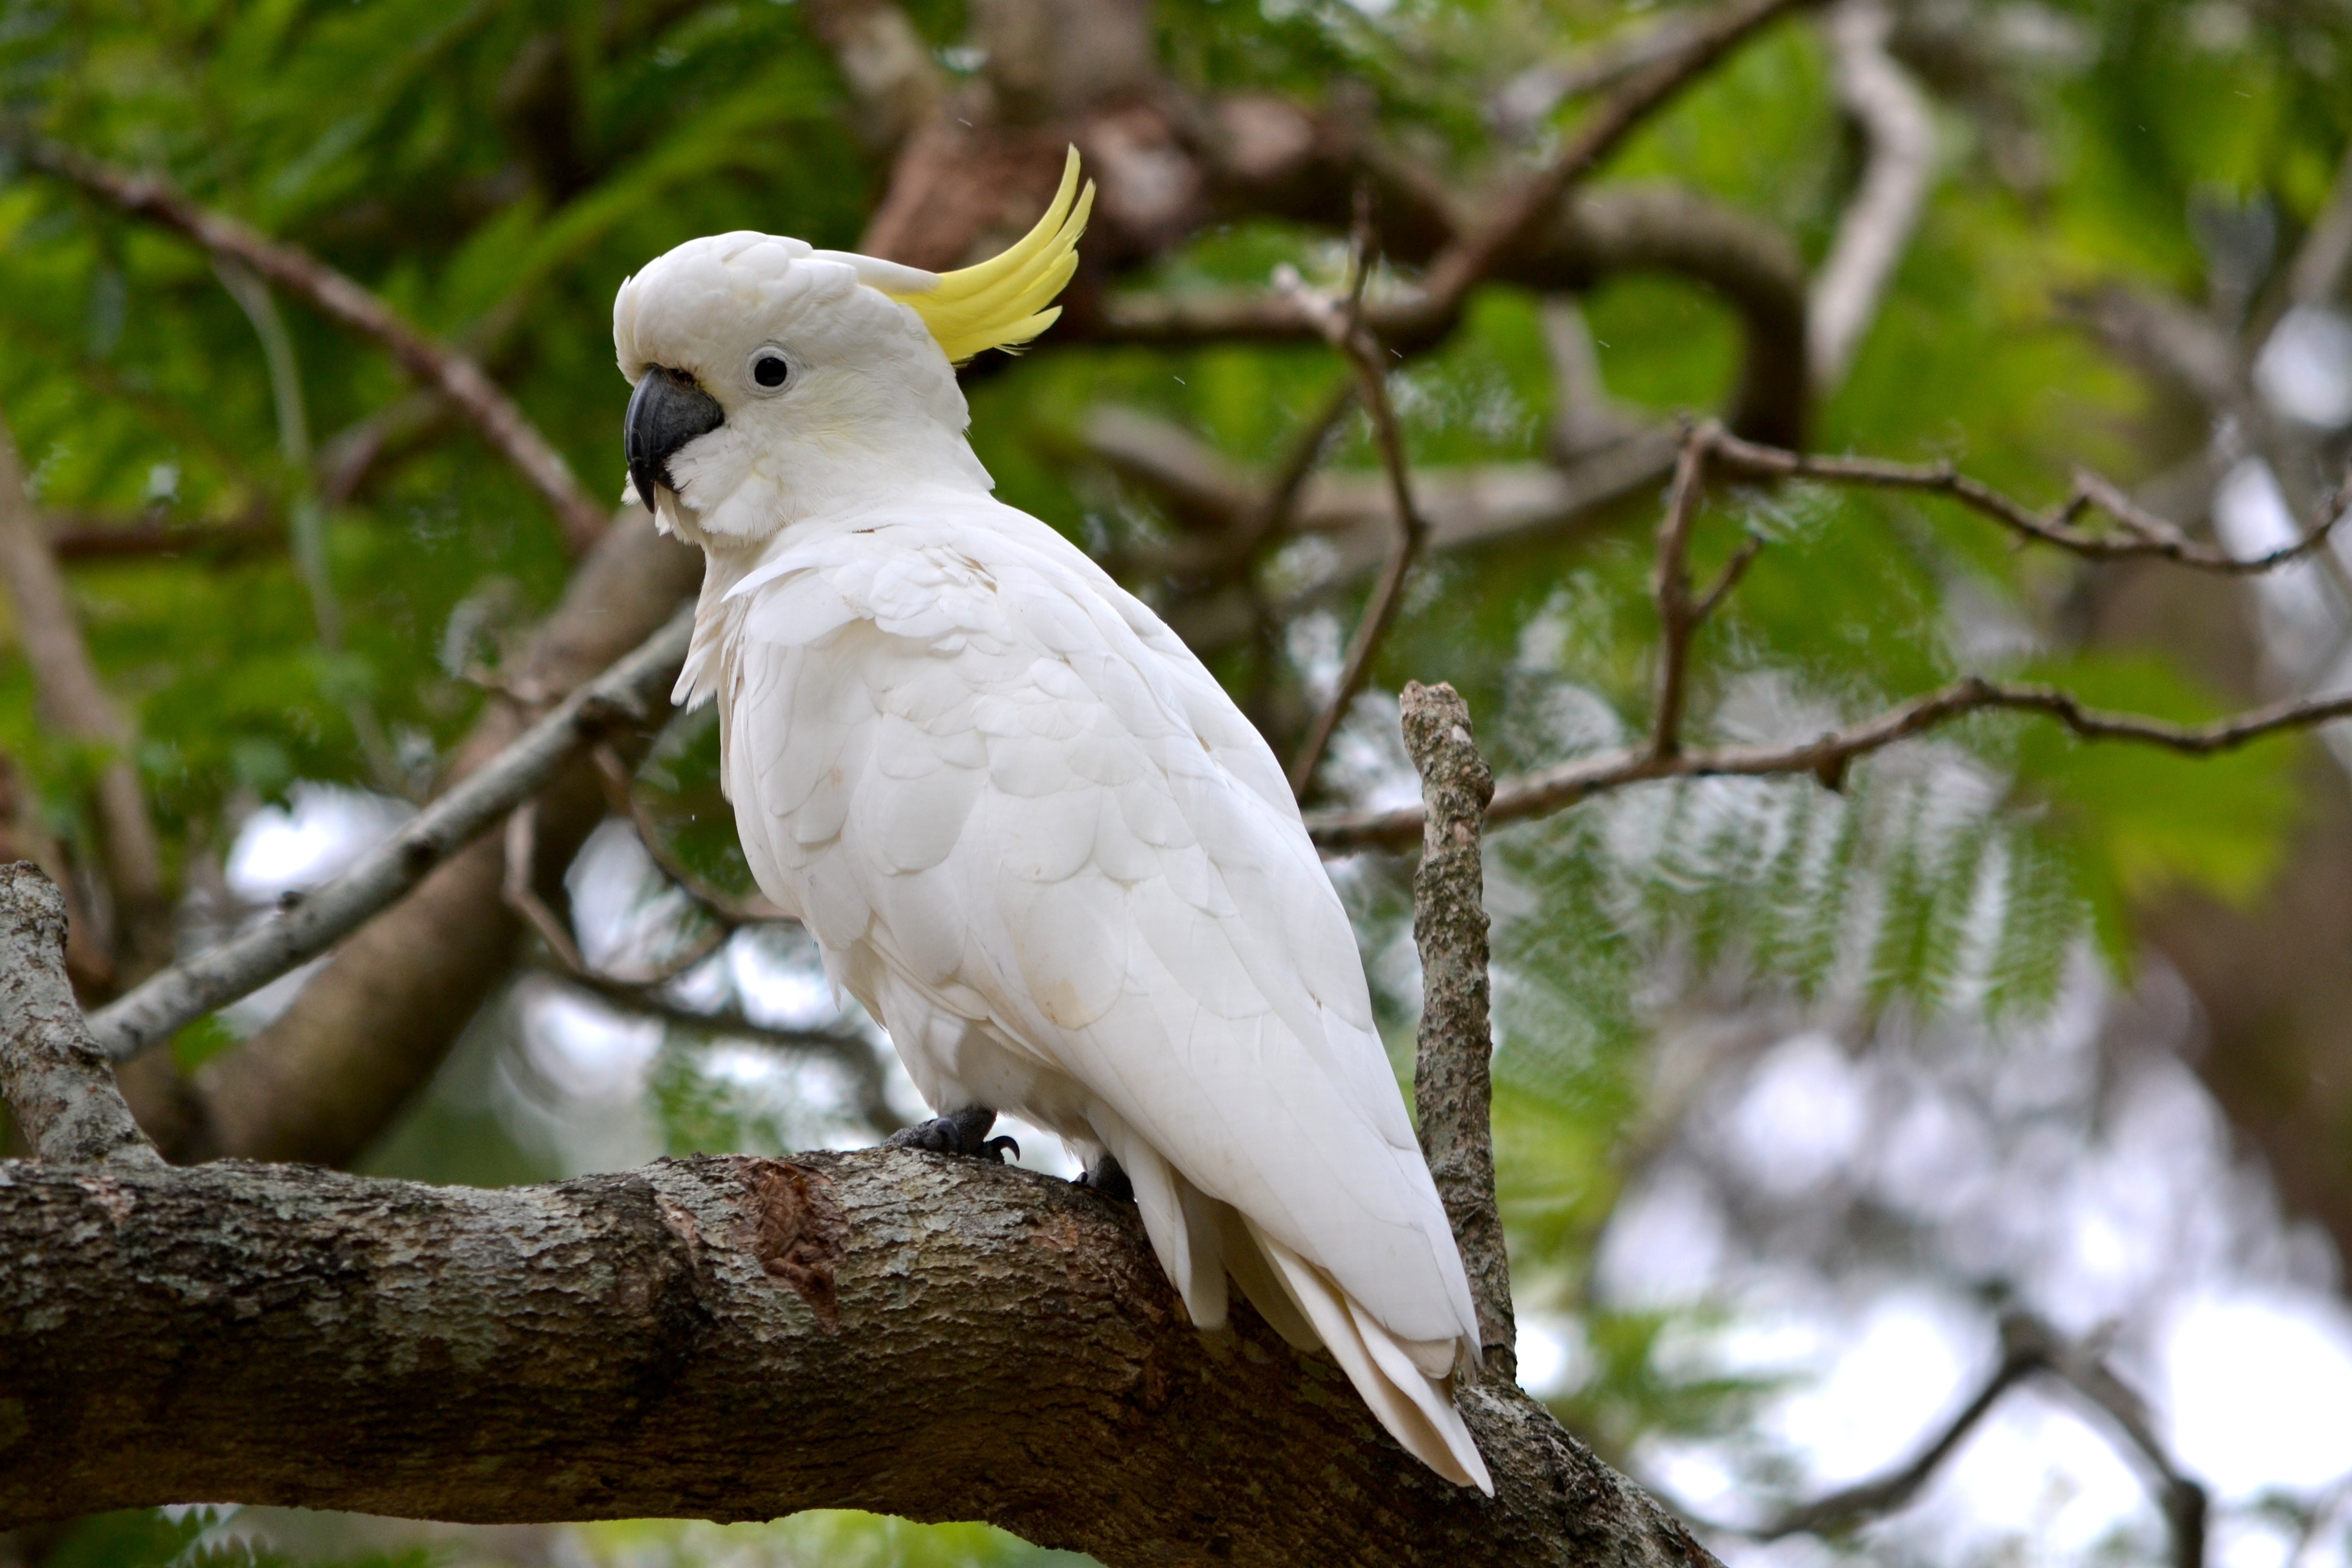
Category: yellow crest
[1002,301]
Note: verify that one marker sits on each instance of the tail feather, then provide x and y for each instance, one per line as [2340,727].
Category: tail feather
[1416,1408]
[1200,1241]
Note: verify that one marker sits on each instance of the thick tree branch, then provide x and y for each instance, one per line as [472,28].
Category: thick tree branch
[493,414]
[729,1338]
[1452,1091]
[72,698]
[631,692]
[59,1091]
[1899,132]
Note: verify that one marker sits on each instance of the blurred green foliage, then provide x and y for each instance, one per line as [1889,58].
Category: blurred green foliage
[494,169]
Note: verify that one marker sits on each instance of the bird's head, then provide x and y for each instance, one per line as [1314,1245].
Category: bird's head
[774,381]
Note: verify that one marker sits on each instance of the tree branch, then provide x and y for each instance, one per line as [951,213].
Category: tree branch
[1344,328]
[1877,224]
[2028,1346]
[632,692]
[2143,535]
[493,414]
[1452,1096]
[369,1028]
[74,699]
[728,1338]
[85,538]
[1827,756]
[1678,614]
[58,1088]
[2024,1353]
[1466,506]
[852,1052]
[1604,234]
[1523,214]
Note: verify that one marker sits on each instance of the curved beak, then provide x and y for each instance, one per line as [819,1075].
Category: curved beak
[667,411]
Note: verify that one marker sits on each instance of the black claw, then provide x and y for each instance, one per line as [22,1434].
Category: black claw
[1108,1179]
[965,1132]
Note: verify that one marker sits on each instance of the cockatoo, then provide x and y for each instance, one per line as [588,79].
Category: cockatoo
[1025,827]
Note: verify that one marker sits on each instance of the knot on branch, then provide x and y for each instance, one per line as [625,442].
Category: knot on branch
[797,1232]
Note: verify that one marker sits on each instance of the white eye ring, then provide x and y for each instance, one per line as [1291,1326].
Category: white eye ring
[768,361]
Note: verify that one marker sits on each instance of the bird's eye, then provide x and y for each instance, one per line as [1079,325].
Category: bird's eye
[769,368]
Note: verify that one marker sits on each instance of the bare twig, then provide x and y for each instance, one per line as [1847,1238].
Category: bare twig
[1273,515]
[1452,1092]
[75,701]
[1827,756]
[2143,535]
[1514,227]
[1877,224]
[728,907]
[2024,1353]
[1465,505]
[1527,100]
[1678,615]
[2028,1346]
[2183,1500]
[58,1087]
[493,414]
[1462,266]
[853,1052]
[522,897]
[1344,329]
[632,692]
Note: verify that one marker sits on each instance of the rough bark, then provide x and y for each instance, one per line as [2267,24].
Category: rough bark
[730,1338]
[1452,1089]
[321,1082]
[60,1092]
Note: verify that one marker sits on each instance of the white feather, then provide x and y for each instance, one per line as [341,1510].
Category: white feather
[1032,834]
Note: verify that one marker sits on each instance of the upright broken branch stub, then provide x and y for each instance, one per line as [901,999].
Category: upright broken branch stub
[1452,1087]
[55,1078]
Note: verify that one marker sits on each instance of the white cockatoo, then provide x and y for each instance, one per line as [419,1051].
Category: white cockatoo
[1027,829]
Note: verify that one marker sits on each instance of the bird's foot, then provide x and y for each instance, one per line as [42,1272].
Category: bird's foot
[1105,1177]
[962,1132]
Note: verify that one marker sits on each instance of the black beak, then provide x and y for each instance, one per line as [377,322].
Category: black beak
[666,412]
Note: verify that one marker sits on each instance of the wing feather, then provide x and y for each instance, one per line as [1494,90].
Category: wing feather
[1029,798]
